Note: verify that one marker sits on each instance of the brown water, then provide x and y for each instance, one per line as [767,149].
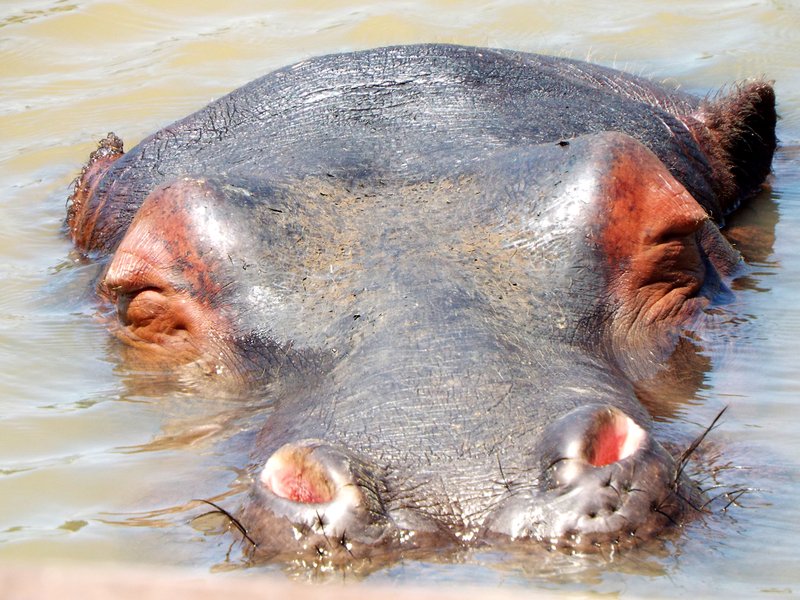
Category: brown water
[100,463]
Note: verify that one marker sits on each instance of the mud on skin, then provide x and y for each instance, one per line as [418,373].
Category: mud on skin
[450,267]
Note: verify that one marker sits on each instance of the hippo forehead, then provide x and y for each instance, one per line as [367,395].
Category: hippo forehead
[500,236]
[449,291]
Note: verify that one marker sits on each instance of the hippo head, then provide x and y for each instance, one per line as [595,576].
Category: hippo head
[451,359]
[450,342]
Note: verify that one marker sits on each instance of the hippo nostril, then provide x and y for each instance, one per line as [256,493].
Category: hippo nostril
[615,437]
[314,496]
[294,474]
[592,460]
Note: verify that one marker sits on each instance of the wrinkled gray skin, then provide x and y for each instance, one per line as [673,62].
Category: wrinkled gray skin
[411,249]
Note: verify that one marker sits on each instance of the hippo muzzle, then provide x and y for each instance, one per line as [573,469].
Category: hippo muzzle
[602,482]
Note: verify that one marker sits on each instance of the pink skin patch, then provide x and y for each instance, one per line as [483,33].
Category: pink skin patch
[615,440]
[291,473]
[293,486]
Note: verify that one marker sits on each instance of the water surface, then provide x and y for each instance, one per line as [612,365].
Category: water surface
[100,463]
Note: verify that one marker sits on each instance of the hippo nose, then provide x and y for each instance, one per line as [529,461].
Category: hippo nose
[615,437]
[603,480]
[587,438]
[317,498]
[312,473]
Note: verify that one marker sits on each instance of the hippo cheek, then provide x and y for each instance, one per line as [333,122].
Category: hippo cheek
[164,280]
[604,483]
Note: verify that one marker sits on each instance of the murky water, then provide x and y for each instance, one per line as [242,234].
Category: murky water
[101,463]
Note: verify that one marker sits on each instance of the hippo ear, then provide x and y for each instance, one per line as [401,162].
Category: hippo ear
[655,243]
[737,133]
[90,214]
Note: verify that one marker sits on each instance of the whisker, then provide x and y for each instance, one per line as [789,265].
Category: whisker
[233,520]
[683,459]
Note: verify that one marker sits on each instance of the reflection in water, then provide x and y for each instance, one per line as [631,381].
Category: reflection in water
[26,15]
[752,229]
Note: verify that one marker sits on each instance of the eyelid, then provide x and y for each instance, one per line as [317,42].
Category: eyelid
[129,274]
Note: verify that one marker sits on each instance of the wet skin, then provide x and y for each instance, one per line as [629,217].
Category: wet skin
[449,268]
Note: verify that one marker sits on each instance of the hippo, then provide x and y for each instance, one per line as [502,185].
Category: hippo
[448,269]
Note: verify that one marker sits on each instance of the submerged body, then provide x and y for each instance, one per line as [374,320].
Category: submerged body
[449,267]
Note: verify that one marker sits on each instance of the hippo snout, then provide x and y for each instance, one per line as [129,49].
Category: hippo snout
[603,481]
[313,498]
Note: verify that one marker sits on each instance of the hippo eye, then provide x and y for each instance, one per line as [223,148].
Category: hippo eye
[150,313]
[135,304]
